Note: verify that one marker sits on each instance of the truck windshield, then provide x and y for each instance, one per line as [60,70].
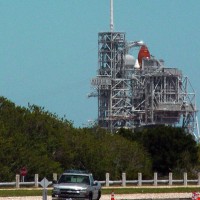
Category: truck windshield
[74,179]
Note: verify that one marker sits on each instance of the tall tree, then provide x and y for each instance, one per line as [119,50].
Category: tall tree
[168,148]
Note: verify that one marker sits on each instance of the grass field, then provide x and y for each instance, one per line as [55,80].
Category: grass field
[130,190]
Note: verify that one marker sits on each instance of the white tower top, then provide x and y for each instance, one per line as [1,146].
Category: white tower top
[111,16]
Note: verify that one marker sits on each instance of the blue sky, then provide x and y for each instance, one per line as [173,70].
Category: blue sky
[48,48]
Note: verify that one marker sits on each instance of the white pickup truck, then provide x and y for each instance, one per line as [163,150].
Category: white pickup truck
[76,184]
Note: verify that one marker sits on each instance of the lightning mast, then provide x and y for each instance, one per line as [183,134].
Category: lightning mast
[111,16]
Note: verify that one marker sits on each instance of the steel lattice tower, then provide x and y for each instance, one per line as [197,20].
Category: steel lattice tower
[112,82]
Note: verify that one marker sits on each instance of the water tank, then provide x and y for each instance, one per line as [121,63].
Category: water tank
[129,60]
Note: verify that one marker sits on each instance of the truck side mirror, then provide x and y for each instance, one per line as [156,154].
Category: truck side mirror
[95,183]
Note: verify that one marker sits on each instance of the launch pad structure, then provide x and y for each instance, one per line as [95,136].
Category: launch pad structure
[135,93]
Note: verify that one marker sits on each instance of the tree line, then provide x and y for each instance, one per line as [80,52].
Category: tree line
[44,143]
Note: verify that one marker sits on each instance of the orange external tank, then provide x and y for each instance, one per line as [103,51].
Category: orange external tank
[143,53]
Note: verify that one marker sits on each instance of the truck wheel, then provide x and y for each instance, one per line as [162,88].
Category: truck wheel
[99,195]
[90,196]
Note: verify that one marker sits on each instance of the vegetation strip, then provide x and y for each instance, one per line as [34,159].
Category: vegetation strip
[150,190]
[35,192]
[21,192]
[44,144]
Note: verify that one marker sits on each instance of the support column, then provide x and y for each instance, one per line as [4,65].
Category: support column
[155,178]
[139,179]
[17,181]
[185,178]
[123,179]
[36,180]
[55,176]
[198,183]
[170,178]
[107,179]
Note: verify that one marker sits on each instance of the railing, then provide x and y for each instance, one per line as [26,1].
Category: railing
[154,182]
[18,183]
[107,183]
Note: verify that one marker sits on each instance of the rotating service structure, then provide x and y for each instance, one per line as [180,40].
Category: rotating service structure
[162,95]
[135,93]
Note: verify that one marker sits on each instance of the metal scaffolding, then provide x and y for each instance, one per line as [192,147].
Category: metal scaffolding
[131,97]
[134,94]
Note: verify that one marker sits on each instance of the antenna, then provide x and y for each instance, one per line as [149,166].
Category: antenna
[111,16]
